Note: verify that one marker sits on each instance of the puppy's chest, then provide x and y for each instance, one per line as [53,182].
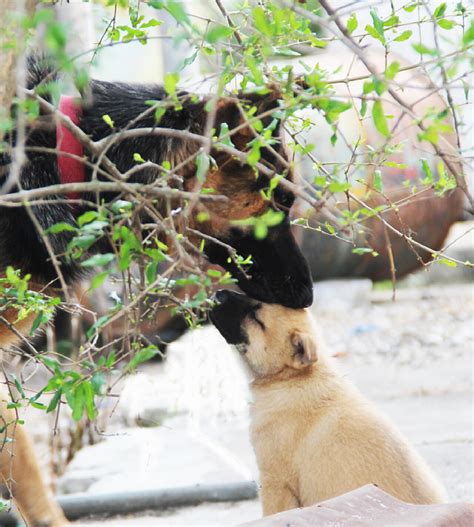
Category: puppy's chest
[274,437]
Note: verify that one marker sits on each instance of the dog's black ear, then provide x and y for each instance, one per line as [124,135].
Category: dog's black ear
[305,350]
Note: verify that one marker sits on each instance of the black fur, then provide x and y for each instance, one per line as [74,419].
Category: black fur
[20,244]
[279,273]
[229,312]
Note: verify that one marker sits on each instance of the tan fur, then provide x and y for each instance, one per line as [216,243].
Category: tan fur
[19,469]
[21,474]
[315,436]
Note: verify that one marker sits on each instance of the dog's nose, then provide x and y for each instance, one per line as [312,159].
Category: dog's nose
[221,296]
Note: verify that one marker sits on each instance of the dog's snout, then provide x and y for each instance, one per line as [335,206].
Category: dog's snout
[221,296]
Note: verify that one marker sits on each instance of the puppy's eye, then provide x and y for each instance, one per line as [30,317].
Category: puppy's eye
[253,316]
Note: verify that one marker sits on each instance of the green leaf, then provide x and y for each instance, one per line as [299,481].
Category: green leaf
[411,7]
[379,118]
[447,262]
[56,37]
[170,82]
[260,21]
[121,205]
[87,217]
[138,158]
[364,250]
[379,86]
[54,401]
[177,11]
[99,260]
[378,24]
[361,250]
[151,271]
[151,23]
[378,180]
[110,360]
[423,50]
[446,24]
[391,21]
[224,131]
[440,10]
[189,60]
[98,381]
[466,89]
[218,33]
[202,166]
[41,318]
[271,218]
[60,227]
[77,401]
[89,400]
[38,406]
[425,166]
[81,78]
[18,385]
[274,182]
[254,155]
[338,186]
[333,107]
[255,70]
[141,356]
[352,23]
[260,231]
[98,279]
[159,112]
[108,120]
[373,33]
[202,216]
[392,70]
[469,34]
[404,36]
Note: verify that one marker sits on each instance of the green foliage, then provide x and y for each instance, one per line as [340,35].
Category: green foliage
[261,223]
[16,295]
[379,118]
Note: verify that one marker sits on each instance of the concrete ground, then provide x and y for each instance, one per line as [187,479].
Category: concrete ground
[185,422]
[412,357]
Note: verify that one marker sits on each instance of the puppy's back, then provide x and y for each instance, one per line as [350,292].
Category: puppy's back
[331,440]
[353,444]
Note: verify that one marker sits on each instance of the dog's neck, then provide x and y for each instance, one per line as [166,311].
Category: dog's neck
[304,390]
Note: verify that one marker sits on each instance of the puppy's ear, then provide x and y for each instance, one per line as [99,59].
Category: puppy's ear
[305,351]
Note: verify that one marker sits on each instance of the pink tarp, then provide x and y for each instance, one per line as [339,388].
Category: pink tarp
[371,507]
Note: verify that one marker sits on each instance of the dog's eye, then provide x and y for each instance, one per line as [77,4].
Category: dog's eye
[253,316]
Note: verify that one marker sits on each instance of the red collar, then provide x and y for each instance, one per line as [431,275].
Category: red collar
[71,170]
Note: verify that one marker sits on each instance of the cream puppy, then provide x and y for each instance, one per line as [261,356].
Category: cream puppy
[315,436]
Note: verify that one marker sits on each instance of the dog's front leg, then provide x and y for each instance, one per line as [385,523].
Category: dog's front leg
[277,496]
[21,473]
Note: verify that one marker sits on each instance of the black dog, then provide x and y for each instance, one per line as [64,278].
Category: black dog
[279,272]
